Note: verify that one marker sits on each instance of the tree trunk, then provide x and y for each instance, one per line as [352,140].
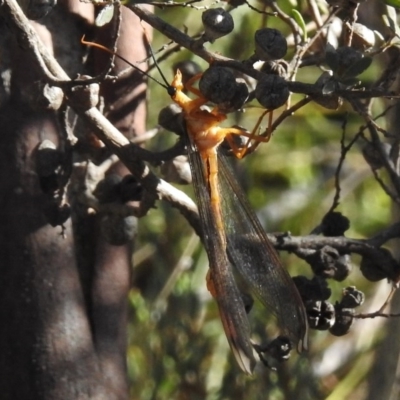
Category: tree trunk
[63,292]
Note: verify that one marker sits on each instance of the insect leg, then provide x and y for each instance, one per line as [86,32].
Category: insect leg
[241,152]
[254,135]
[189,85]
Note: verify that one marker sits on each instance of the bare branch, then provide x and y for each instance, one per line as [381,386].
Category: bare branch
[112,137]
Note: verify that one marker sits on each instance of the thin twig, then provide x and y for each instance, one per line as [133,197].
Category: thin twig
[301,246]
[187,4]
[271,14]
[294,65]
[288,20]
[376,314]
[344,149]
[376,142]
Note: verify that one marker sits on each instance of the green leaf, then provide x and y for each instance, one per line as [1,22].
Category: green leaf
[300,21]
[105,15]
[393,3]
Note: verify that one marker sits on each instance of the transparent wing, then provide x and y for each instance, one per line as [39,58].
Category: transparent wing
[253,255]
[227,295]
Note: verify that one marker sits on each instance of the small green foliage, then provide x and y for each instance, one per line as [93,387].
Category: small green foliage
[393,3]
[300,21]
[105,15]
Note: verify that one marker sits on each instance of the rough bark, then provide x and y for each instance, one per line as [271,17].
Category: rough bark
[63,298]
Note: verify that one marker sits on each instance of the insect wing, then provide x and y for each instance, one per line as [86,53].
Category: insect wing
[227,295]
[256,260]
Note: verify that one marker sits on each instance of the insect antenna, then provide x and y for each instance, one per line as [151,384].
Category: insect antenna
[171,90]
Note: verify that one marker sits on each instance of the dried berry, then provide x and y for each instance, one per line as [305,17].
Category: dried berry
[384,267]
[352,297]
[107,190]
[312,289]
[188,69]
[335,224]
[272,91]
[321,314]
[171,119]
[329,263]
[278,349]
[327,85]
[270,44]
[346,62]
[217,22]
[57,215]
[343,321]
[238,99]
[218,84]
[130,189]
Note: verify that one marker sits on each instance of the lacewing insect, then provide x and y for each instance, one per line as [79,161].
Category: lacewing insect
[232,234]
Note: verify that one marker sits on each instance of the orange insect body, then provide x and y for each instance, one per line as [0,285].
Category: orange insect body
[202,125]
[259,264]
[203,128]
